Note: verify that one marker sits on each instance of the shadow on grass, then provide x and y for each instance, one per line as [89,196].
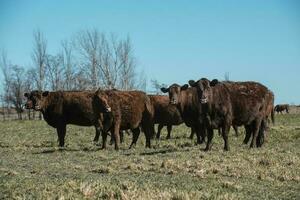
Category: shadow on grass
[161,151]
[65,149]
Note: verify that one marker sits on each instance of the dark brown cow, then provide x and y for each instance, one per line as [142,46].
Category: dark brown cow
[128,110]
[227,103]
[187,102]
[282,107]
[62,108]
[165,114]
[264,128]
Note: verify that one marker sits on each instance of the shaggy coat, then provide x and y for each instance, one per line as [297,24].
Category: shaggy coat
[66,107]
[165,114]
[187,102]
[128,110]
[231,103]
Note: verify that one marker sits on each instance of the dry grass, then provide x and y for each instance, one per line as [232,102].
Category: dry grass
[32,166]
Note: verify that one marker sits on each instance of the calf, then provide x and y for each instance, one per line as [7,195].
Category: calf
[187,102]
[128,110]
[264,128]
[66,107]
[165,114]
[227,103]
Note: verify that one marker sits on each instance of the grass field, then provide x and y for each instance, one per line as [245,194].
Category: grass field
[32,166]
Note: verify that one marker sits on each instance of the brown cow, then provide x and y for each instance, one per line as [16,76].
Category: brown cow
[65,107]
[227,103]
[282,107]
[128,110]
[269,113]
[165,114]
[188,104]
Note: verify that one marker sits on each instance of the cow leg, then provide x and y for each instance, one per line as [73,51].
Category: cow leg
[201,133]
[160,126]
[61,133]
[248,134]
[96,138]
[192,133]
[255,132]
[210,135]
[121,136]
[169,128]
[135,136]
[104,137]
[116,135]
[148,133]
[225,131]
[220,131]
[236,130]
[261,134]
[148,138]
[112,138]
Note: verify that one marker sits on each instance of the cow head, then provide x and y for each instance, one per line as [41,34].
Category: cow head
[102,101]
[174,92]
[203,88]
[36,99]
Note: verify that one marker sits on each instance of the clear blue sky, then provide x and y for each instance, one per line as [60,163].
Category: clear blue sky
[174,41]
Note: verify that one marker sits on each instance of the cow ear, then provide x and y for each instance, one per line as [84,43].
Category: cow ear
[164,90]
[98,91]
[45,93]
[184,87]
[192,83]
[213,82]
[26,95]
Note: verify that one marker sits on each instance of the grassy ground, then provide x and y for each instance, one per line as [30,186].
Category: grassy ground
[32,167]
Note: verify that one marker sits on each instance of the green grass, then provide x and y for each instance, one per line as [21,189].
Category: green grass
[33,167]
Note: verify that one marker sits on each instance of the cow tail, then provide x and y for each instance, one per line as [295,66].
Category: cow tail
[150,116]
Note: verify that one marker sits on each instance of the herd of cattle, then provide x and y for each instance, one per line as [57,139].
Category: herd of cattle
[202,105]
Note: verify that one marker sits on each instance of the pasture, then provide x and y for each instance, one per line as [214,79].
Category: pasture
[33,167]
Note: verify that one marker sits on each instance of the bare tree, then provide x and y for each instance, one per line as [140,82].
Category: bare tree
[39,57]
[5,67]
[156,85]
[17,89]
[127,65]
[109,61]
[55,71]
[87,43]
[81,82]
[141,83]
[68,65]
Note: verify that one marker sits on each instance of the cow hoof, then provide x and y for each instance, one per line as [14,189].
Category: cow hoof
[61,148]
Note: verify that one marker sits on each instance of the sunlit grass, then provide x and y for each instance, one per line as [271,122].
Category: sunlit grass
[33,167]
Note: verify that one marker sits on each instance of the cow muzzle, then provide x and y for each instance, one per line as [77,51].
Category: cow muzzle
[108,109]
[27,106]
[204,100]
[37,107]
[173,102]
